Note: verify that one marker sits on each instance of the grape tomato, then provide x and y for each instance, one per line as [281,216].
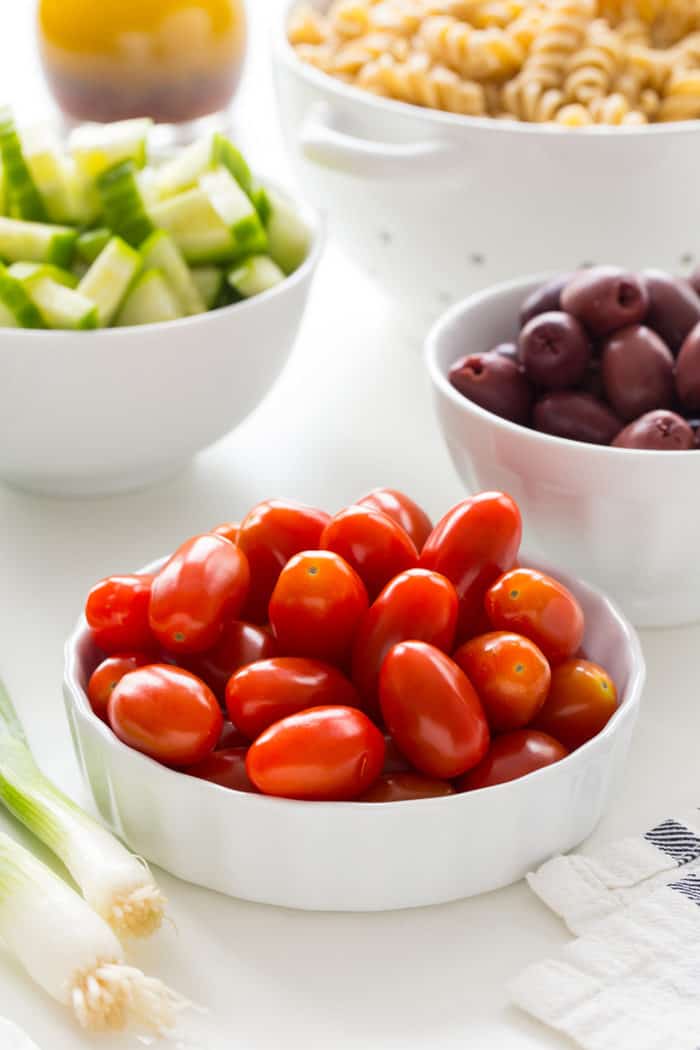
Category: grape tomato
[510,674]
[538,606]
[117,613]
[511,756]
[405,512]
[372,543]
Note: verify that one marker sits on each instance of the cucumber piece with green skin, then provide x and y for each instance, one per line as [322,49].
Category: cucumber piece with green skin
[89,244]
[7,318]
[183,172]
[288,236]
[196,227]
[160,252]
[122,204]
[257,274]
[26,271]
[22,241]
[262,204]
[59,306]
[44,156]
[15,300]
[107,281]
[208,280]
[236,210]
[97,147]
[25,197]
[84,203]
[149,300]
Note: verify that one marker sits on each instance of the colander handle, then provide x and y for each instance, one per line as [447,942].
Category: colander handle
[323,144]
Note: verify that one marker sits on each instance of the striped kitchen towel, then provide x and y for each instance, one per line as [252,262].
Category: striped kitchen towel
[631,979]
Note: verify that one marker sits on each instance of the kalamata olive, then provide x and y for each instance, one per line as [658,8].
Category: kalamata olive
[688,371]
[494,382]
[660,430]
[637,372]
[509,350]
[694,280]
[554,350]
[578,416]
[544,299]
[605,298]
[674,308]
[592,382]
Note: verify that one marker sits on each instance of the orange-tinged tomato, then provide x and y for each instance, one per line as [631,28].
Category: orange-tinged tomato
[107,675]
[201,587]
[372,543]
[416,605]
[510,674]
[323,754]
[270,534]
[511,756]
[582,699]
[432,711]
[240,644]
[472,545]
[226,768]
[316,606]
[227,529]
[117,613]
[166,713]
[402,787]
[545,611]
[265,692]
[405,512]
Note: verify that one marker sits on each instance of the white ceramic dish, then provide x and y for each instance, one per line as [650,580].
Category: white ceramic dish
[355,856]
[436,205]
[91,413]
[621,518]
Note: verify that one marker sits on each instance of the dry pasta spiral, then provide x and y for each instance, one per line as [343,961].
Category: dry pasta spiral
[571,62]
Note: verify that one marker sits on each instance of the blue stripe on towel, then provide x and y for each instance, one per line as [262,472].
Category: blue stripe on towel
[677,841]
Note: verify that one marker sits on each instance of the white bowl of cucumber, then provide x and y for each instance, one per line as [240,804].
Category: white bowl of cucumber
[144,310]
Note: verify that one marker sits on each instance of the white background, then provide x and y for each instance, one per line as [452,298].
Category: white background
[352,411]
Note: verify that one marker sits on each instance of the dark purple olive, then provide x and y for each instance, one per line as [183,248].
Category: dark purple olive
[554,350]
[637,372]
[694,280]
[494,382]
[580,417]
[660,430]
[605,298]
[544,299]
[688,372]
[509,350]
[694,424]
[592,382]
[674,308]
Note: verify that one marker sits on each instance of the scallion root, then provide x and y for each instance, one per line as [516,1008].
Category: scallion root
[112,995]
[138,913]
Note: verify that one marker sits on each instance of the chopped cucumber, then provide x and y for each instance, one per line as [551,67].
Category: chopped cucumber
[208,281]
[196,227]
[183,172]
[149,301]
[236,209]
[257,274]
[288,236]
[42,152]
[97,147]
[36,242]
[160,252]
[108,279]
[89,244]
[122,204]
[61,307]
[30,271]
[14,298]
[84,203]
[26,200]
[262,203]
[7,318]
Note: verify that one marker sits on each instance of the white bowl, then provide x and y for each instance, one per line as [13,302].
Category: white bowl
[353,856]
[624,519]
[89,413]
[437,205]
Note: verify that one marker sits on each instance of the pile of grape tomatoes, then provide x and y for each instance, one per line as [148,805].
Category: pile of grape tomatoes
[367,656]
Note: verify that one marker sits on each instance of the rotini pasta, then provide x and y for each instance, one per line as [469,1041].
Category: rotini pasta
[571,62]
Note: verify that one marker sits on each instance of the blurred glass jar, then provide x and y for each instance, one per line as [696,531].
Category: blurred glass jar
[173,60]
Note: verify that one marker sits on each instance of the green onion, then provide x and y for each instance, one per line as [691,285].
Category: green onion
[71,952]
[115,883]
